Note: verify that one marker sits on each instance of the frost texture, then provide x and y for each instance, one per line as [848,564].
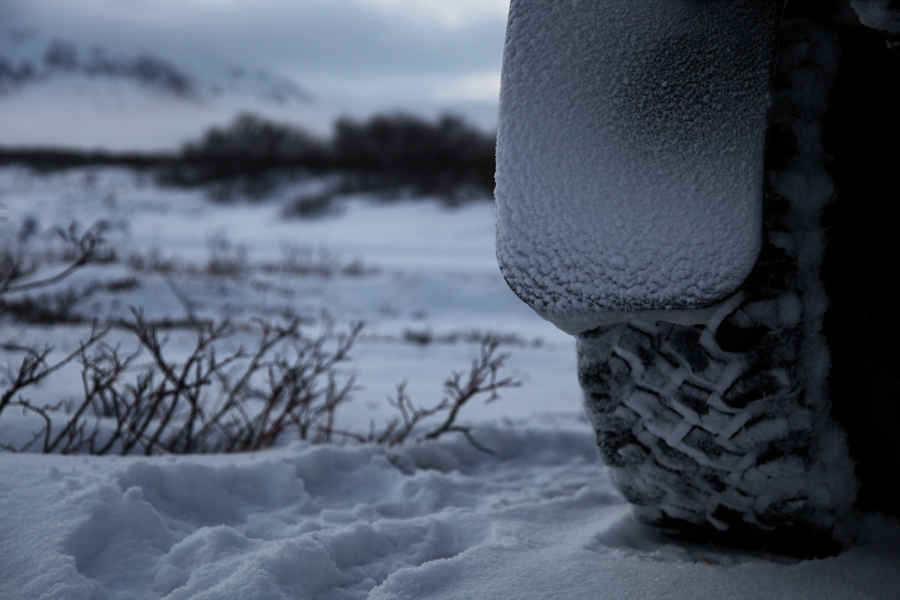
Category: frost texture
[630,153]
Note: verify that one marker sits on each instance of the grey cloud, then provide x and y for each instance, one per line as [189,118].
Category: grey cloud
[297,37]
[268,56]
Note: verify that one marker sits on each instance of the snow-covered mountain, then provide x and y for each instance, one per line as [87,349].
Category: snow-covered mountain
[57,92]
[148,75]
[27,61]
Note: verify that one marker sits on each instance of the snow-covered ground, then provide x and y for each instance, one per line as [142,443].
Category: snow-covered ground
[539,519]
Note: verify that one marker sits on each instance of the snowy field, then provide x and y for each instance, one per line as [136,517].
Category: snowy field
[538,518]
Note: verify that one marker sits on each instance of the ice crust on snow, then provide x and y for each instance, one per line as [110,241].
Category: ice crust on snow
[630,154]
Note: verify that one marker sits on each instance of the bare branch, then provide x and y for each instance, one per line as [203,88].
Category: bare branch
[482,379]
[34,367]
[89,248]
[217,401]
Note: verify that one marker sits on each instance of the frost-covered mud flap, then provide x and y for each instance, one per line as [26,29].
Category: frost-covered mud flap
[630,192]
[630,155]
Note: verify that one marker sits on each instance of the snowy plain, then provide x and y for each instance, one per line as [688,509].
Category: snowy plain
[538,519]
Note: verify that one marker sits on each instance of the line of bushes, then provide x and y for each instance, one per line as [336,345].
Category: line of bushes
[217,398]
[446,156]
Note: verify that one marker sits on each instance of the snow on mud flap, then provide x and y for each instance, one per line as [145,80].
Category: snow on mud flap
[631,211]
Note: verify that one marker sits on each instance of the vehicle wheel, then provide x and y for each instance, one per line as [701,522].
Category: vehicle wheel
[710,432]
[726,431]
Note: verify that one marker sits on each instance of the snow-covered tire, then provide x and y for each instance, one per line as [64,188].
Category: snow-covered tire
[724,432]
[709,432]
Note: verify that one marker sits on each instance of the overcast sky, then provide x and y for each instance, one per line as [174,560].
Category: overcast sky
[349,56]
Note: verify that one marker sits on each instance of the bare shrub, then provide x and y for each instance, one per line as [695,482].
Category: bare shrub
[17,265]
[250,157]
[214,399]
[303,261]
[435,156]
[419,337]
[426,337]
[225,258]
[33,370]
[252,138]
[152,262]
[228,260]
[392,153]
[238,401]
[459,389]
[311,207]
[56,307]
[211,401]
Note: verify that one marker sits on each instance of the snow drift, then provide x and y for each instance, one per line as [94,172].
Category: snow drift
[442,520]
